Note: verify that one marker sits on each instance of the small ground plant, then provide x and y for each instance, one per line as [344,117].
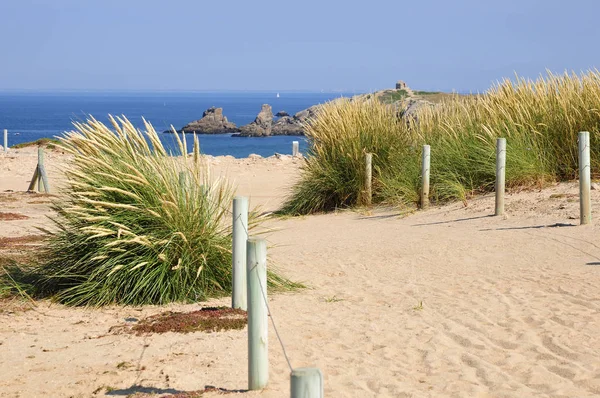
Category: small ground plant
[210,319]
[49,143]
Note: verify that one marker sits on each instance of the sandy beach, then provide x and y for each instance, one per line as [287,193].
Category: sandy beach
[448,302]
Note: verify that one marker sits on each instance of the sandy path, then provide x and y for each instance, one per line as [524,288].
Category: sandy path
[444,303]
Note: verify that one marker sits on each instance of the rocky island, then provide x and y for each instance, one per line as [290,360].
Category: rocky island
[261,126]
[265,124]
[212,122]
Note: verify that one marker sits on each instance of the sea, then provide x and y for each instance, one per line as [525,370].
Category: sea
[29,116]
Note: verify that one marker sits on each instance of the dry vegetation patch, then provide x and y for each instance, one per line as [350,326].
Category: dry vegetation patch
[40,194]
[210,319]
[20,241]
[19,250]
[37,198]
[190,394]
[7,198]
[6,216]
[11,305]
[11,258]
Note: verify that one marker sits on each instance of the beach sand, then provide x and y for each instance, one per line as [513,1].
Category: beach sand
[448,302]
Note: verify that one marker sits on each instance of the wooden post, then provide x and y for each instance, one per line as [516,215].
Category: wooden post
[295,148]
[585,203]
[239,240]
[425,166]
[368,178]
[33,179]
[258,323]
[5,140]
[42,177]
[40,164]
[45,179]
[306,383]
[39,175]
[500,175]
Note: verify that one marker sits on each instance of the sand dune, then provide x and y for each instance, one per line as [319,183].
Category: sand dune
[444,303]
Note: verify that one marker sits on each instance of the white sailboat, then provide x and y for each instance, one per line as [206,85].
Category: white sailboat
[277,95]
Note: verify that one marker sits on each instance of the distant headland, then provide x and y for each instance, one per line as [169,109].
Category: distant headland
[213,120]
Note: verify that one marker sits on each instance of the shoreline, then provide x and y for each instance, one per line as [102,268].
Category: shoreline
[31,150]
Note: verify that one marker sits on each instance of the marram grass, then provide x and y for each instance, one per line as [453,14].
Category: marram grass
[539,119]
[137,226]
[341,134]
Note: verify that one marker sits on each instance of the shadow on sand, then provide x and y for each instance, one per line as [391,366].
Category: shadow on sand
[143,390]
[557,225]
[382,216]
[452,221]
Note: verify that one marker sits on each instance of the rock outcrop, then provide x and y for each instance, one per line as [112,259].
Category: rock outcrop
[287,125]
[294,125]
[213,122]
[306,114]
[261,126]
[408,112]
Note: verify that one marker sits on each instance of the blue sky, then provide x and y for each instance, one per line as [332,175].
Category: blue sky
[464,45]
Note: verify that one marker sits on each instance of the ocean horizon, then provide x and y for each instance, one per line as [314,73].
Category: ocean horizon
[31,115]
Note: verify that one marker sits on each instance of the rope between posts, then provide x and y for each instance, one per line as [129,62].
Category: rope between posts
[262,292]
[269,313]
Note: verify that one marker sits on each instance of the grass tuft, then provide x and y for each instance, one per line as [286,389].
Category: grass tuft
[392,96]
[341,134]
[129,231]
